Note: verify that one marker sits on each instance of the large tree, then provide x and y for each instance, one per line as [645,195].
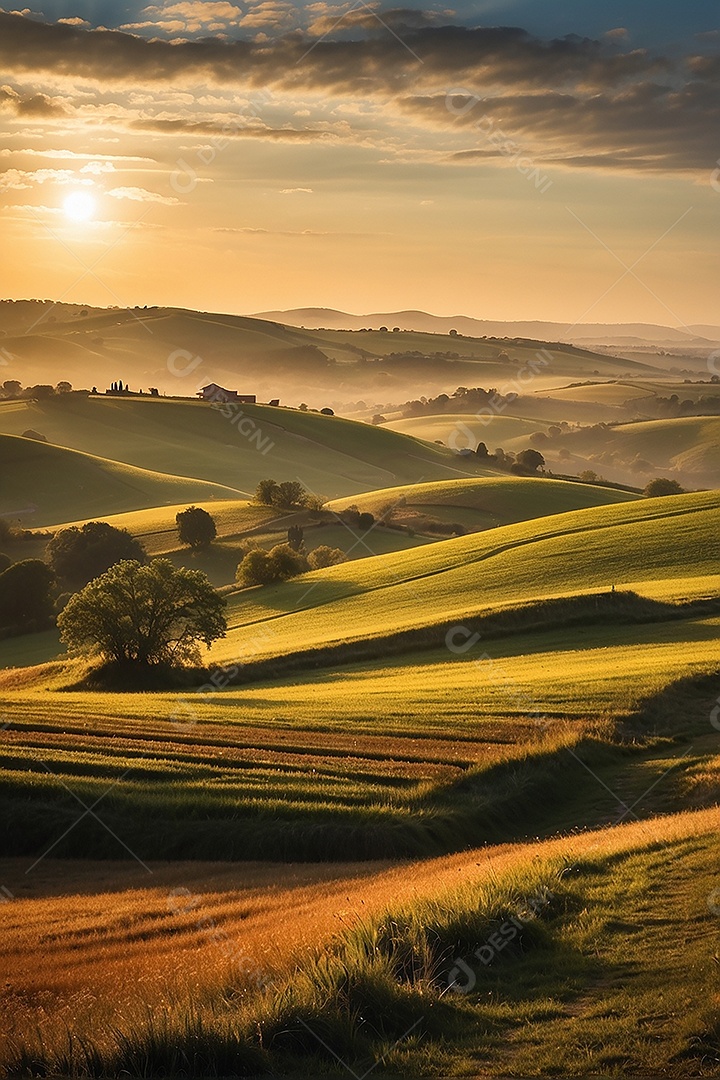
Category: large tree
[77,555]
[144,614]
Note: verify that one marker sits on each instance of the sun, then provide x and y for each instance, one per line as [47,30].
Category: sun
[79,206]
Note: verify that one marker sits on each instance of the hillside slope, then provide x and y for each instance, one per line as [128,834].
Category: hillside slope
[661,542]
[43,484]
[329,455]
[488,501]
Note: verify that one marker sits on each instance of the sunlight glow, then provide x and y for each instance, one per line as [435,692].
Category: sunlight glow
[79,206]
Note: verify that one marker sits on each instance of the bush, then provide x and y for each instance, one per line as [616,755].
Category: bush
[196,527]
[661,486]
[77,555]
[32,434]
[261,567]
[323,556]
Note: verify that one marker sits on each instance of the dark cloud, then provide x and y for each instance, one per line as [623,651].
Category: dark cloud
[36,107]
[230,129]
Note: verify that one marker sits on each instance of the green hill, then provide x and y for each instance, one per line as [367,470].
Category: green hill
[44,484]
[665,547]
[486,502]
[686,448]
[329,455]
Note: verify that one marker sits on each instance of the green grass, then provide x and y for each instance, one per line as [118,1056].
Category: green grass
[463,431]
[45,484]
[417,756]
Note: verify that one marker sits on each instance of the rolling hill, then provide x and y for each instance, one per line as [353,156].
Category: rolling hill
[179,350]
[329,455]
[664,547]
[43,484]
[488,502]
[685,448]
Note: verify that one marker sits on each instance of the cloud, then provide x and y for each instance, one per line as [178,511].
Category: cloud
[296,191]
[75,21]
[234,127]
[138,194]
[569,99]
[37,107]
[20,179]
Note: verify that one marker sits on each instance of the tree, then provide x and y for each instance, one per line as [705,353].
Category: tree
[588,476]
[63,387]
[530,460]
[144,614]
[661,486]
[295,537]
[289,493]
[323,556]
[482,450]
[196,527]
[265,492]
[25,602]
[12,388]
[77,555]
[365,521]
[40,392]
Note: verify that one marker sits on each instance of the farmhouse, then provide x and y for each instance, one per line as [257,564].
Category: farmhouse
[213,392]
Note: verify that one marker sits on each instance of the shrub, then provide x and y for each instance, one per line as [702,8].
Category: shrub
[661,486]
[261,567]
[323,556]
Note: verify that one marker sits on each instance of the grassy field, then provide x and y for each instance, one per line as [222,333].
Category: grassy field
[414,756]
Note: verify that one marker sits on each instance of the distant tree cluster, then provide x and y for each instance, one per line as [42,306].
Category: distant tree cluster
[288,495]
[464,399]
[285,561]
[661,407]
[14,390]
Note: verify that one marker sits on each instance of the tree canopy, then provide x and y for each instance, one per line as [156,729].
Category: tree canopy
[25,601]
[196,527]
[77,555]
[144,614]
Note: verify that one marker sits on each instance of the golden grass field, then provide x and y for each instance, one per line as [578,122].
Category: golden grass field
[99,947]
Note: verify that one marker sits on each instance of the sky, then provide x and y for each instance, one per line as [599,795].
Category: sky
[506,159]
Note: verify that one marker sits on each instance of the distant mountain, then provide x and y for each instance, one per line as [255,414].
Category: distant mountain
[625,334]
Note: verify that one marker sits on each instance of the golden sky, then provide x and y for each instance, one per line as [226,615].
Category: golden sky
[246,156]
